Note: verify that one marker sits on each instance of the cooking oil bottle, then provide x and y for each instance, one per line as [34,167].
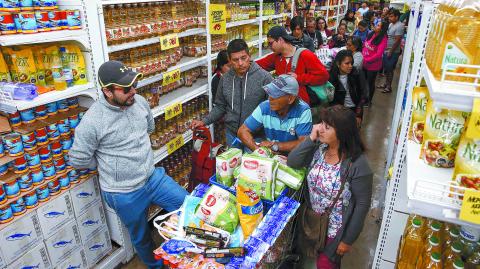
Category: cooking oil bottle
[411,245]
[459,41]
[456,264]
[433,230]
[432,246]
[453,253]
[434,262]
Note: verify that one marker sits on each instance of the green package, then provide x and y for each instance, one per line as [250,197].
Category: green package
[226,164]
[258,173]
[218,208]
[291,177]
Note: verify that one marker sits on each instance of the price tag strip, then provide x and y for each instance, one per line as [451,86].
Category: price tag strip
[169,42]
[470,210]
[171,77]
[173,110]
[175,144]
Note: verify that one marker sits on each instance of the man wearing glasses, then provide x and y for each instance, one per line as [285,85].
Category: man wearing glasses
[113,136]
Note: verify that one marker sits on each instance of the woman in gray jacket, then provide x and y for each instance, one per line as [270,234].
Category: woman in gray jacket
[334,152]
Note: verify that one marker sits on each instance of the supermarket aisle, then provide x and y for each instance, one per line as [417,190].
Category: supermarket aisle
[375,131]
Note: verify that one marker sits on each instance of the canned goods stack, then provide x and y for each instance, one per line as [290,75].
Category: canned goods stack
[166,130]
[33,16]
[41,167]
[179,165]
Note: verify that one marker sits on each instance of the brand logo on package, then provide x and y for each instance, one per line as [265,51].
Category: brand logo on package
[18,236]
[84,194]
[54,214]
[90,222]
[251,165]
[61,244]
[74,266]
[211,201]
[31,266]
[96,246]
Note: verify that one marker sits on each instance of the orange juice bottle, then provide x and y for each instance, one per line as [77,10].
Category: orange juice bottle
[411,245]
[434,261]
[432,246]
[459,41]
[456,264]
[453,253]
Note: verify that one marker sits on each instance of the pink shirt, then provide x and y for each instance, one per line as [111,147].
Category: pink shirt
[372,54]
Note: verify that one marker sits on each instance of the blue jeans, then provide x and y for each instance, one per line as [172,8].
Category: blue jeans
[131,208]
[389,63]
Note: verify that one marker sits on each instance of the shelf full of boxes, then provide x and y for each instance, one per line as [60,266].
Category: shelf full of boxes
[333,11]
[425,182]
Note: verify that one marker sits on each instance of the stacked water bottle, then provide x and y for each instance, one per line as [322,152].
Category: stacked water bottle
[41,166]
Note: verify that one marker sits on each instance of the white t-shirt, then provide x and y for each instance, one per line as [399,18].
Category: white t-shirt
[348,99]
[363,10]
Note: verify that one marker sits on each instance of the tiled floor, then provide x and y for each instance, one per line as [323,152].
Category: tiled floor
[375,131]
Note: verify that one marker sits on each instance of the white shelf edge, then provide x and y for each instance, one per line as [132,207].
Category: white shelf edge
[159,110]
[79,35]
[113,2]
[162,153]
[86,89]
[152,40]
[450,94]
[277,16]
[184,66]
[113,260]
[243,22]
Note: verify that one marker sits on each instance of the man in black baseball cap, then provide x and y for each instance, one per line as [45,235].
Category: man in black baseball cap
[113,137]
[118,83]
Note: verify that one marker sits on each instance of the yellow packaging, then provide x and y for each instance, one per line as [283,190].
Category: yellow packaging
[443,128]
[7,56]
[419,113]
[46,60]
[25,66]
[37,58]
[467,161]
[250,209]
[4,72]
[77,62]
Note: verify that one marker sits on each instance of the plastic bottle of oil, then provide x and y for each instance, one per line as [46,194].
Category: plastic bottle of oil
[411,245]
[57,68]
[456,264]
[453,253]
[432,246]
[473,262]
[433,230]
[434,262]
[459,41]
[452,236]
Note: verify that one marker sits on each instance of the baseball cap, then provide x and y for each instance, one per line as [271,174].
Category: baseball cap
[282,85]
[278,31]
[116,73]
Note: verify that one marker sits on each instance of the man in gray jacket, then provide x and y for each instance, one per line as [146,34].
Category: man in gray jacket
[239,91]
[113,136]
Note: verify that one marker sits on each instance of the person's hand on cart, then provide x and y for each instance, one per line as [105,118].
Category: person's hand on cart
[343,248]
[196,123]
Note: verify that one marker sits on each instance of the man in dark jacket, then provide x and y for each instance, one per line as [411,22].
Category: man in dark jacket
[301,40]
[313,33]
[239,91]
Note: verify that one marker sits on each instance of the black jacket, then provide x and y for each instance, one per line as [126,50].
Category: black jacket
[304,42]
[358,90]
[338,43]
[317,35]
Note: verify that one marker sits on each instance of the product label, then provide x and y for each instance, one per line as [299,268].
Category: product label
[470,210]
[173,110]
[171,77]
[218,19]
[473,130]
[453,55]
[175,144]
[169,41]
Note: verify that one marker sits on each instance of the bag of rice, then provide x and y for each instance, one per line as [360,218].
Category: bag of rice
[258,173]
[226,164]
[4,72]
[293,178]
[218,208]
[443,128]
[467,161]
[250,209]
[263,152]
[419,109]
[76,60]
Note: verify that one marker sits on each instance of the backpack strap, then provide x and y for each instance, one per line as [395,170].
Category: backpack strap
[295,58]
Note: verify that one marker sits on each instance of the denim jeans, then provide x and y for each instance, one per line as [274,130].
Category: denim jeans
[389,63]
[131,208]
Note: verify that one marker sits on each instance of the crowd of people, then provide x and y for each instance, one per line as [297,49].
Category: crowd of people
[295,114]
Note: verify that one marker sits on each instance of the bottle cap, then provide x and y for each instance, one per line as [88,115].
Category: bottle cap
[458,264]
[454,232]
[434,240]
[436,256]
[456,247]
[436,226]
[417,223]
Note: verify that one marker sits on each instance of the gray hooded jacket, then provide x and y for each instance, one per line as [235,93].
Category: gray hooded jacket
[235,100]
[117,141]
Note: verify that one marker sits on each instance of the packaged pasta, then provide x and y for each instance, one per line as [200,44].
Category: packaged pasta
[467,161]
[218,208]
[443,128]
[250,209]
[258,173]
[419,113]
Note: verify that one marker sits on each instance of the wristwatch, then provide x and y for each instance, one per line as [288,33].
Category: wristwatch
[275,147]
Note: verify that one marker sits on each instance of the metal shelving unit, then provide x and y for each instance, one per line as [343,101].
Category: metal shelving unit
[416,188]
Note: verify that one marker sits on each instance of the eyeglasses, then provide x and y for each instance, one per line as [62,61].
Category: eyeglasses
[126,90]
[271,42]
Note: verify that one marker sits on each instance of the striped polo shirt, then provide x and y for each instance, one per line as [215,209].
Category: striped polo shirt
[297,123]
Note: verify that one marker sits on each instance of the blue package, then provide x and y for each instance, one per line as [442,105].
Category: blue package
[176,246]
[188,217]
[200,190]
[236,238]
[255,248]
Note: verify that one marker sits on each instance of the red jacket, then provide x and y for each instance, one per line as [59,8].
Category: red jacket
[310,71]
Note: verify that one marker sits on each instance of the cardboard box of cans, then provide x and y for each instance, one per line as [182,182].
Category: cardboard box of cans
[97,247]
[63,242]
[35,258]
[77,259]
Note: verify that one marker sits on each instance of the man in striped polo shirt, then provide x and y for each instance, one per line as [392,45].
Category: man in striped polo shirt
[285,119]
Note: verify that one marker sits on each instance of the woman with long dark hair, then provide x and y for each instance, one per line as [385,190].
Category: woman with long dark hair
[372,52]
[349,21]
[339,183]
[222,67]
[349,82]
[354,44]
[323,29]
